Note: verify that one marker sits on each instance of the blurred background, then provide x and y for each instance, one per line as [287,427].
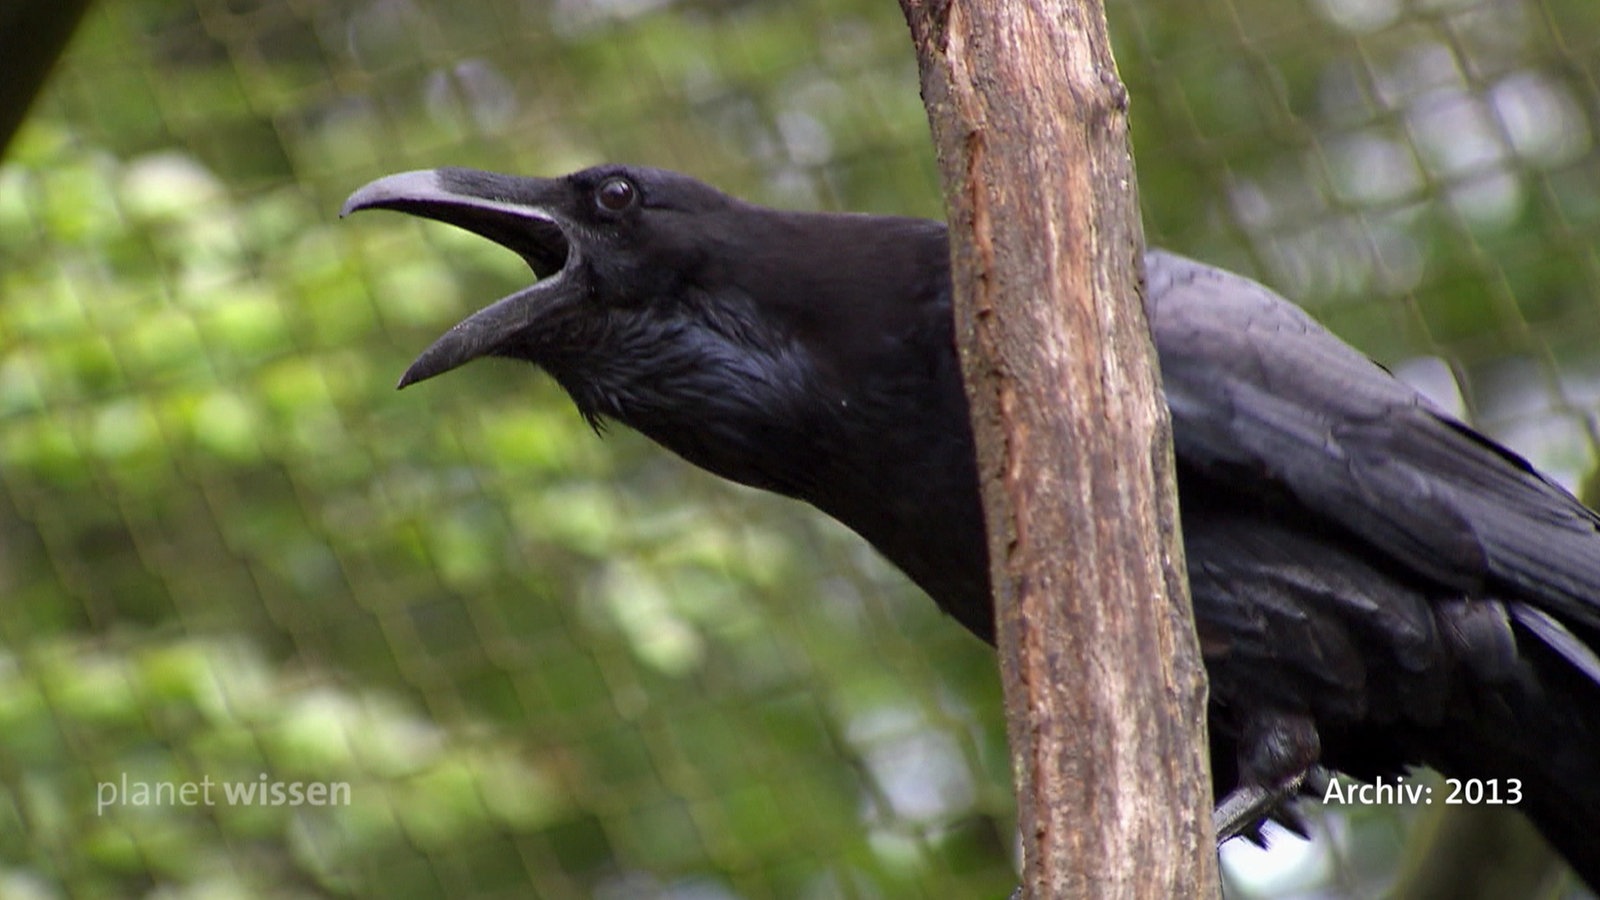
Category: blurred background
[545,664]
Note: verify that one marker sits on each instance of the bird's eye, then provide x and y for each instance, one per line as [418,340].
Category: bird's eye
[616,194]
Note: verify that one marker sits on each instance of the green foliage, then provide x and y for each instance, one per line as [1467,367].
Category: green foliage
[247,555]
[90,731]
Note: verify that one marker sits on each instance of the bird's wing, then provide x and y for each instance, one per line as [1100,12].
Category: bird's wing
[1264,399]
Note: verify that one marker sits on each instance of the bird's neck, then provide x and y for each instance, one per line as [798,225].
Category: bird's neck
[887,451]
[907,483]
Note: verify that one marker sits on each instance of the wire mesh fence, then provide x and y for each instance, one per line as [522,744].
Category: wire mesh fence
[273,629]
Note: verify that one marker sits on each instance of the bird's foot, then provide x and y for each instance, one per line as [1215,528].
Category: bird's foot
[1247,805]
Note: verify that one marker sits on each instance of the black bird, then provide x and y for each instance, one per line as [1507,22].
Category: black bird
[1376,585]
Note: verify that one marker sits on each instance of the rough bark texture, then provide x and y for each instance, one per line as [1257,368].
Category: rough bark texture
[1104,688]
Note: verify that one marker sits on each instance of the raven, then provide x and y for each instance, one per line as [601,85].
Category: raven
[1375,584]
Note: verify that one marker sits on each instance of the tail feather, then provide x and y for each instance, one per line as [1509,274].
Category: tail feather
[1540,738]
[1557,637]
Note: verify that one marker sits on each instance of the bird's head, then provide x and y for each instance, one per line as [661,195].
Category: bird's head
[607,244]
[703,321]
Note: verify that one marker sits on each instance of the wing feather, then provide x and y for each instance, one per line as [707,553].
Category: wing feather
[1269,401]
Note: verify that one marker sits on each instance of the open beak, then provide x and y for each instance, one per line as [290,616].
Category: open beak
[517,213]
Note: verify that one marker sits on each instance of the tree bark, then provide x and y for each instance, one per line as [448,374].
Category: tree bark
[1105,693]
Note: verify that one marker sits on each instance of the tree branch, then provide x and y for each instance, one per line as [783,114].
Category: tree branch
[33,34]
[1105,693]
